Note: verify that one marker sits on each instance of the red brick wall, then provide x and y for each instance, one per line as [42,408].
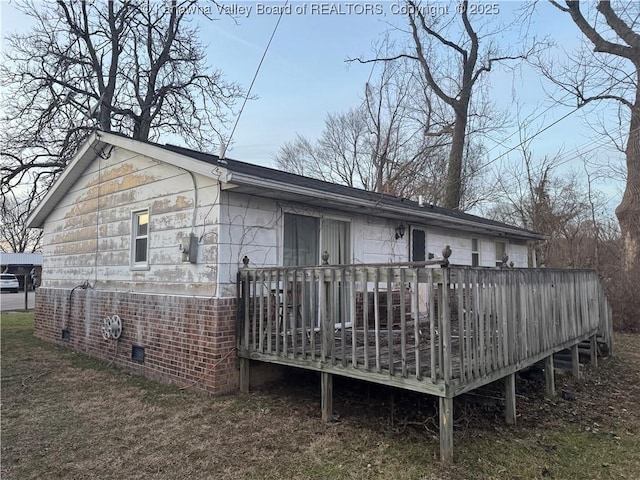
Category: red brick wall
[189,341]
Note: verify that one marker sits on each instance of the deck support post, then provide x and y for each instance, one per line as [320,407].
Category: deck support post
[446,429]
[575,361]
[244,375]
[326,387]
[549,377]
[593,350]
[510,398]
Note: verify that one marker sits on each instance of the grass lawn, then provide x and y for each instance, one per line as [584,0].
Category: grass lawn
[65,415]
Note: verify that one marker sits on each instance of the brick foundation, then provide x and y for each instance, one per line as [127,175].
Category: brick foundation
[188,341]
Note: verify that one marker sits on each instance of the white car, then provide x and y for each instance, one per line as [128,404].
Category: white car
[9,281]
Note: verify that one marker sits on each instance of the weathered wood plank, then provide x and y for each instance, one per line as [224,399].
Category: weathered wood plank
[278,316]
[446,429]
[476,345]
[365,323]
[342,309]
[549,377]
[326,396]
[464,332]
[390,319]
[314,323]
[446,331]
[403,325]
[261,315]
[415,286]
[376,313]
[244,374]
[353,318]
[304,314]
[322,295]
[510,398]
[575,361]
[593,350]
[433,318]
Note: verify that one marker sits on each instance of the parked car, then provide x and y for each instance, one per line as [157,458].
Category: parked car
[9,281]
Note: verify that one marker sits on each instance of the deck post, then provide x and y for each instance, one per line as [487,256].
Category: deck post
[510,399]
[549,380]
[244,375]
[446,429]
[575,361]
[326,387]
[593,350]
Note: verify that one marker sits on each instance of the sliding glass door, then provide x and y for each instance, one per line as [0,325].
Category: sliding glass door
[304,239]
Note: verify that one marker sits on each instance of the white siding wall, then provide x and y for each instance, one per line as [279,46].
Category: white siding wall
[461,246]
[88,234]
[253,226]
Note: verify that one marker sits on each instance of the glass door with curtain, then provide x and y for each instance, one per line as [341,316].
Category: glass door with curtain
[300,240]
[336,241]
[301,248]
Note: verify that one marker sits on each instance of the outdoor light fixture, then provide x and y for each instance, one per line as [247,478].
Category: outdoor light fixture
[400,231]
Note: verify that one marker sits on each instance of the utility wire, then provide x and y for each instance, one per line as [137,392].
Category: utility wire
[246,97]
[542,130]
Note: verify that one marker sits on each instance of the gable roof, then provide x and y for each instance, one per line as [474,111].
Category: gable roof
[268,182]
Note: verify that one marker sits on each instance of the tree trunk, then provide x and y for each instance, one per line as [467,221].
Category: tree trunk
[628,212]
[453,192]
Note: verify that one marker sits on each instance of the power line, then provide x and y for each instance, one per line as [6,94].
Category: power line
[542,130]
[246,97]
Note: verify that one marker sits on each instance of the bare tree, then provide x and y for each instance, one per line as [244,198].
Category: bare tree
[386,144]
[613,32]
[533,195]
[132,66]
[453,58]
[14,236]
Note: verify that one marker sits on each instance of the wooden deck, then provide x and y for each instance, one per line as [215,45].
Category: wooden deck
[441,331]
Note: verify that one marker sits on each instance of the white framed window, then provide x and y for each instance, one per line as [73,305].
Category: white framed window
[140,239]
[501,249]
[475,252]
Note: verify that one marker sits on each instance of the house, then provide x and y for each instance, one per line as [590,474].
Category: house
[186,268]
[156,233]
[24,266]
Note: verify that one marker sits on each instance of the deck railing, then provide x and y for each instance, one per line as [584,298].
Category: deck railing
[451,327]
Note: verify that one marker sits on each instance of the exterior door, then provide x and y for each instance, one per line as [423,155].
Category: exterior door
[419,254]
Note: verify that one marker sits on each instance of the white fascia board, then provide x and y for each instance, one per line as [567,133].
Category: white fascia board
[166,156]
[310,192]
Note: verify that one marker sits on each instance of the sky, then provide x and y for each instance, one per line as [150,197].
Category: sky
[304,75]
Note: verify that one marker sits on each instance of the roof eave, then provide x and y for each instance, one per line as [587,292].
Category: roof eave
[87,153]
[243,179]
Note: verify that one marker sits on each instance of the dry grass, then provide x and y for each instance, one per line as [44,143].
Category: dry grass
[67,416]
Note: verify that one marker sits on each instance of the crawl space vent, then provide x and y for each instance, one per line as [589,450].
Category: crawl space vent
[137,353]
[66,335]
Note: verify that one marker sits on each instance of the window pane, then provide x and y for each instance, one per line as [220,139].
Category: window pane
[143,223]
[141,250]
[418,246]
[475,260]
[474,244]
[300,240]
